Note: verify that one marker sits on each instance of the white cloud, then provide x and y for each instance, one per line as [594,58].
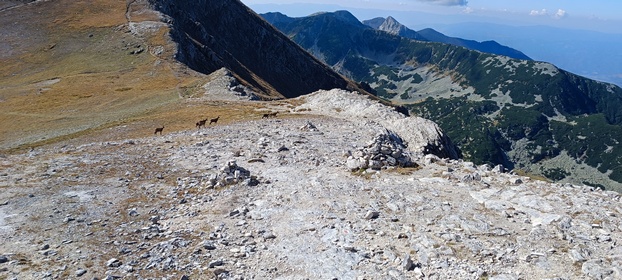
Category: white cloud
[542,12]
[560,14]
[468,10]
[446,2]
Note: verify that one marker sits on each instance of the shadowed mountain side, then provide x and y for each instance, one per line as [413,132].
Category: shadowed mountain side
[485,46]
[216,34]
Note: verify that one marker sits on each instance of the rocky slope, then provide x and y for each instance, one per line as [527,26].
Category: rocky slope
[215,34]
[279,198]
[523,114]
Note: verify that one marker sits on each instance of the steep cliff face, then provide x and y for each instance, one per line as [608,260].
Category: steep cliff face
[225,33]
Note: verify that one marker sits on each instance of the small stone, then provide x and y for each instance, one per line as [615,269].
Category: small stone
[269,235]
[430,158]
[215,263]
[498,169]
[234,213]
[407,263]
[516,181]
[209,245]
[372,215]
[375,164]
[578,255]
[184,277]
[3,259]
[154,219]
[44,247]
[355,164]
[133,212]
[604,238]
[80,272]
[113,263]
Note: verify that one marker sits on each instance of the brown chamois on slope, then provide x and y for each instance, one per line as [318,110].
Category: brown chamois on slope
[269,115]
[214,121]
[158,129]
[201,123]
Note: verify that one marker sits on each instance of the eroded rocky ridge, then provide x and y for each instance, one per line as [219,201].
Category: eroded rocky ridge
[274,198]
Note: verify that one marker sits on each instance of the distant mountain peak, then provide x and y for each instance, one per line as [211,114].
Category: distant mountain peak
[392,26]
[342,15]
[374,22]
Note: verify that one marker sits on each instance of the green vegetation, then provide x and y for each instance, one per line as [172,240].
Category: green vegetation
[555,174]
[591,139]
[466,124]
[484,130]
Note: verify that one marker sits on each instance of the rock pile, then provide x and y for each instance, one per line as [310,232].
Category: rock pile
[232,174]
[386,149]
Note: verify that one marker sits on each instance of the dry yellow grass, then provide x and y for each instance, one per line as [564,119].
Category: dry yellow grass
[72,72]
[73,77]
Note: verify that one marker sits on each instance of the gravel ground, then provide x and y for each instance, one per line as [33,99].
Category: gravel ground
[310,197]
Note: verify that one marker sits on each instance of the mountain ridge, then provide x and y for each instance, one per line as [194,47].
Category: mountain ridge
[491,106]
[206,45]
[392,26]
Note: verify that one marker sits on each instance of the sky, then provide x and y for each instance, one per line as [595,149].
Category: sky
[596,15]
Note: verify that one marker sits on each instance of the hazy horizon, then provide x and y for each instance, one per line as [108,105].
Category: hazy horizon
[601,16]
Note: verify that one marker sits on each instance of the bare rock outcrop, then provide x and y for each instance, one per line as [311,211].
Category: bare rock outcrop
[421,135]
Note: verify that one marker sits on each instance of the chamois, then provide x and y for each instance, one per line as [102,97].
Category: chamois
[158,129]
[214,121]
[201,123]
[269,115]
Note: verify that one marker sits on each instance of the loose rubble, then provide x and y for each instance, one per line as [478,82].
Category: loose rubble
[386,150]
[277,199]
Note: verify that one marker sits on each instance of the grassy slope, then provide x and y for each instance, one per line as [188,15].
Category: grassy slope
[66,68]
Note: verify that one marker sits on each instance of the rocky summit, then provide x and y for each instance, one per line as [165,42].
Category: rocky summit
[315,191]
